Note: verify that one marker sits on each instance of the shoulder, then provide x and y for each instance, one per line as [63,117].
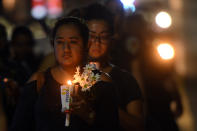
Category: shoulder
[127,79]
[39,77]
[118,73]
[36,76]
[126,84]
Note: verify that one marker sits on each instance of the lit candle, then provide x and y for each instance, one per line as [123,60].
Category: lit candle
[66,90]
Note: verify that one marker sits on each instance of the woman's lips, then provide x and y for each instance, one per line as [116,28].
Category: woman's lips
[67,56]
[96,51]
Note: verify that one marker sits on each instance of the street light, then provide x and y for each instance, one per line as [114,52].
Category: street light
[163,19]
[166,51]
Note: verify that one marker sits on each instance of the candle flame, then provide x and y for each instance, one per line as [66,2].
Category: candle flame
[69,82]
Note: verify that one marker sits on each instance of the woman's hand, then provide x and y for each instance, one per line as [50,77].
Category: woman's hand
[82,108]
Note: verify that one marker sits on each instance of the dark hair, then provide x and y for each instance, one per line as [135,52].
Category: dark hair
[77,12]
[23,30]
[80,23]
[99,12]
[118,2]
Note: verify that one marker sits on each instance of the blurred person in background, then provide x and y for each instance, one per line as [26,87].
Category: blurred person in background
[119,51]
[100,24]
[10,93]
[23,58]
[4,47]
[116,8]
[4,52]
[156,76]
[8,85]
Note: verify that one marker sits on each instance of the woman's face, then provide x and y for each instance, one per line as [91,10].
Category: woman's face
[68,45]
[99,39]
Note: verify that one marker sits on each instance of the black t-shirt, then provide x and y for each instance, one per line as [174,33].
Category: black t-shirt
[43,112]
[126,86]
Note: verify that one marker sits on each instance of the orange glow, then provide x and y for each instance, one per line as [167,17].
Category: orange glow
[9,4]
[5,80]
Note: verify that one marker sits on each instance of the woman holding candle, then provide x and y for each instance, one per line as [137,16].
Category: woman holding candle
[100,42]
[40,106]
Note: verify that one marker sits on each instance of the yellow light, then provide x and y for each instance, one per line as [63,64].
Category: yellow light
[166,51]
[69,82]
[163,19]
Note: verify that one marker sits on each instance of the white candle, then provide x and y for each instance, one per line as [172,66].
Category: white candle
[66,90]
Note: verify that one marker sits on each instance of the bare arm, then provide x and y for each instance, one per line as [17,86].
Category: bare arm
[132,119]
[176,104]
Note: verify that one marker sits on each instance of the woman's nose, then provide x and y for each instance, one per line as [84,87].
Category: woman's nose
[97,39]
[66,46]
[97,42]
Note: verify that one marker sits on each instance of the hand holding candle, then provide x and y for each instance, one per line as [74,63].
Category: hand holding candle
[66,91]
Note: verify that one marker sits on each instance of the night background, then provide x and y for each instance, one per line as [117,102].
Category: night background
[181,34]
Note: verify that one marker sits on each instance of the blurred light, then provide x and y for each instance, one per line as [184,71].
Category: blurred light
[39,9]
[166,51]
[39,12]
[54,8]
[9,4]
[176,4]
[163,20]
[69,82]
[5,80]
[128,5]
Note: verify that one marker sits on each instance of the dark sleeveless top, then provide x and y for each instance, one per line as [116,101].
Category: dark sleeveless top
[42,111]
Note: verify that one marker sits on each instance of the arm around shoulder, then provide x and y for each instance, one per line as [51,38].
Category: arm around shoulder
[39,78]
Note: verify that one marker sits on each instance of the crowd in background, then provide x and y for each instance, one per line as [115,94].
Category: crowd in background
[131,50]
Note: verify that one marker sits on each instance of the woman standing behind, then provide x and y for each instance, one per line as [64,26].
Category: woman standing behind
[40,106]
[100,44]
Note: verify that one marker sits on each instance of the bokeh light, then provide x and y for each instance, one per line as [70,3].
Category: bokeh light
[129,5]
[166,51]
[54,8]
[39,12]
[39,9]
[9,5]
[5,80]
[163,20]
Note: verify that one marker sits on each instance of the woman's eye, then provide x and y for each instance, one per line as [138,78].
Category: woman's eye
[92,37]
[73,42]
